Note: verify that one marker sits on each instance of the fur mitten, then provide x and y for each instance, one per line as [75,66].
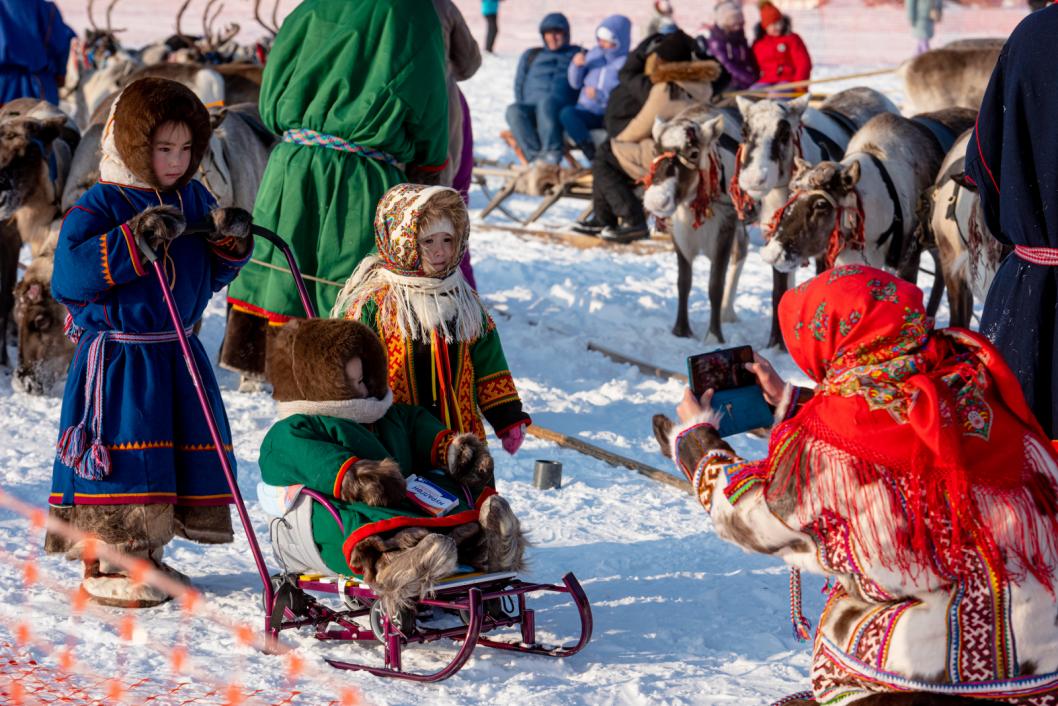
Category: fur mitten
[376,483]
[231,231]
[158,225]
[469,462]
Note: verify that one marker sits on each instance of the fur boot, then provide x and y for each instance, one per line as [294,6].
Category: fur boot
[505,542]
[410,575]
[110,585]
[245,345]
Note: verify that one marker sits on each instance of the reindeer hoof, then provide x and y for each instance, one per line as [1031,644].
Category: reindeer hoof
[682,331]
[717,335]
[729,317]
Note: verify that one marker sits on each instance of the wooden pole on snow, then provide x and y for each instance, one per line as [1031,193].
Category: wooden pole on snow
[611,458]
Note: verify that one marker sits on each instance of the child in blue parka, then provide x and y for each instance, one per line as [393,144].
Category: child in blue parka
[135,462]
[594,74]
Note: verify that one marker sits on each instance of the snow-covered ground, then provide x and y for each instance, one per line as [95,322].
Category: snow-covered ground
[680,616]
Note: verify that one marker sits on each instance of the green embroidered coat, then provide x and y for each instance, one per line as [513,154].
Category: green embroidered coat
[373,74]
[318,450]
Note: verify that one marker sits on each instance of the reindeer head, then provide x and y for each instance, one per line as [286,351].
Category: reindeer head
[682,146]
[802,229]
[768,144]
[25,145]
[44,352]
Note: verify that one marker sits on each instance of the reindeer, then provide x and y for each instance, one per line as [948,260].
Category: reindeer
[777,132]
[10,244]
[953,75]
[44,351]
[95,69]
[863,209]
[969,253]
[695,152]
[35,156]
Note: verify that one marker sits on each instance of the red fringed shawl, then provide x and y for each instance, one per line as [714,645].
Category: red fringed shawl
[934,421]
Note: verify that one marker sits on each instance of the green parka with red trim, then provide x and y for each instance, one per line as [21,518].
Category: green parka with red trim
[317,450]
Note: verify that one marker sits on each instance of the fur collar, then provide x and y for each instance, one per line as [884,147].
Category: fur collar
[661,71]
[366,410]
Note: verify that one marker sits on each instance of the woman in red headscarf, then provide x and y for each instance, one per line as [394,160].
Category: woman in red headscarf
[915,474]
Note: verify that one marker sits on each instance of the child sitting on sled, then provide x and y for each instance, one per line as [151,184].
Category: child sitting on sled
[135,463]
[443,348]
[340,433]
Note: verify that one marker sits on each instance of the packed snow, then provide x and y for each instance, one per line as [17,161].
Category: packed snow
[681,617]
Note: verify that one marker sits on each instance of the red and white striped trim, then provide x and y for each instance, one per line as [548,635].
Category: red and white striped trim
[1037,256]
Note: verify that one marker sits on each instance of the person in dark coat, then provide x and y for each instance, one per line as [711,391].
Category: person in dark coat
[727,42]
[617,209]
[34,46]
[1013,158]
[541,91]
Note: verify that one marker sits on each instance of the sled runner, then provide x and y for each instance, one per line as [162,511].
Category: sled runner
[475,604]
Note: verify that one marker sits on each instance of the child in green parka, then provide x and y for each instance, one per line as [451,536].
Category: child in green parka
[339,433]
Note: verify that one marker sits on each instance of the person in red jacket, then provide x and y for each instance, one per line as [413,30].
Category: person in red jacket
[781,54]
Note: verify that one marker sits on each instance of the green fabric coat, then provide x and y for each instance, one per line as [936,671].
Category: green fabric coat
[371,73]
[316,450]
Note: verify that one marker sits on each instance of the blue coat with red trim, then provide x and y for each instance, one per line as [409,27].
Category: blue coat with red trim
[1013,158]
[145,412]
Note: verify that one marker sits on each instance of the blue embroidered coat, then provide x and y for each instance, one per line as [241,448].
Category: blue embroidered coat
[151,424]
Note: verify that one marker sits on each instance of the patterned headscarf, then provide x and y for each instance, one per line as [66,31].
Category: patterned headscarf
[421,305]
[400,218]
[936,418]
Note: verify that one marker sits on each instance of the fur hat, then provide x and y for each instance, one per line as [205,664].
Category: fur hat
[769,14]
[308,360]
[406,211]
[142,108]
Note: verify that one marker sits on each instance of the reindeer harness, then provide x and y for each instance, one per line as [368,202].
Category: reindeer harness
[709,182]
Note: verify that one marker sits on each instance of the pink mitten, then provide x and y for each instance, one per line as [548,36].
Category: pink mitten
[512,439]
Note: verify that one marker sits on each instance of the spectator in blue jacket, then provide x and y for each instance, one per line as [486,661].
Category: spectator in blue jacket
[541,91]
[594,73]
[34,47]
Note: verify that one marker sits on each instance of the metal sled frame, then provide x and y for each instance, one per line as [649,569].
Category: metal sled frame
[462,593]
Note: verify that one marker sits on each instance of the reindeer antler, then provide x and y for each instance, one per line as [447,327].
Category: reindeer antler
[275,18]
[229,34]
[180,17]
[91,19]
[207,24]
[110,9]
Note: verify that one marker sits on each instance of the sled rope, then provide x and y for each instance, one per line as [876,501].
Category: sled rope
[311,138]
[280,268]
[764,90]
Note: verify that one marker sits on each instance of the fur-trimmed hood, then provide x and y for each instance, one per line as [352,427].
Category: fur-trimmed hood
[307,363]
[661,71]
[142,107]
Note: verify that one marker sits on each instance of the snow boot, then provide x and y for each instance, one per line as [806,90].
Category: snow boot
[110,585]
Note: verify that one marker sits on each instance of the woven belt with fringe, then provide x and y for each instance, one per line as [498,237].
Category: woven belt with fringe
[301,136]
[92,461]
[1037,256]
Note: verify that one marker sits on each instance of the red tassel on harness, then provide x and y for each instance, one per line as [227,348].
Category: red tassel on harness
[743,202]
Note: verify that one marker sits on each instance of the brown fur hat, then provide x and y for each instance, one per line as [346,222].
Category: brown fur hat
[142,107]
[308,360]
[660,71]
